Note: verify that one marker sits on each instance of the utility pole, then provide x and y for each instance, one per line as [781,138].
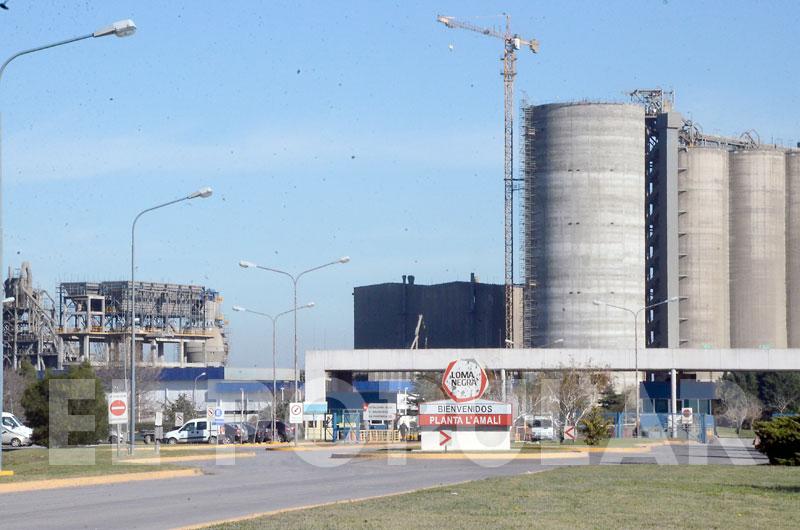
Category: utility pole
[511,43]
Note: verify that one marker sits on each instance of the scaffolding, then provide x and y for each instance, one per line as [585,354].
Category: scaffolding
[30,329]
[95,317]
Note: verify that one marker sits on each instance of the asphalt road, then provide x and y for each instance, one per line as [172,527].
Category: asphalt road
[273,480]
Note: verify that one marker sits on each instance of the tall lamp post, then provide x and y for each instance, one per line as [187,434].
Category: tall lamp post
[295,278]
[274,320]
[122,28]
[635,315]
[202,193]
[194,391]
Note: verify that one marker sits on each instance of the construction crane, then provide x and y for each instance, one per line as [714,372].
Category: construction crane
[511,43]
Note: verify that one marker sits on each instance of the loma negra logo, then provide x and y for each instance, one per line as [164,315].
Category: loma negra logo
[464,380]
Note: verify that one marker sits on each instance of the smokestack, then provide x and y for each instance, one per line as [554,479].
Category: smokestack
[410,279]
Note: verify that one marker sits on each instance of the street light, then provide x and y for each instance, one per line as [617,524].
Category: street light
[123,28]
[202,193]
[295,278]
[274,321]
[636,342]
[194,391]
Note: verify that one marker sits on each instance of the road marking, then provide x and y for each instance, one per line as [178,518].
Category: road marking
[49,484]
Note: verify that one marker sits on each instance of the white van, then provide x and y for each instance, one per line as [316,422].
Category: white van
[193,431]
[14,432]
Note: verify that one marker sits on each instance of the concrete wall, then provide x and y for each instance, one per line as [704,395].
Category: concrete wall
[793,246]
[584,224]
[703,248]
[758,248]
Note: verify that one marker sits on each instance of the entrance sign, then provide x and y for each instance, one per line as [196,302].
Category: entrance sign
[569,432]
[118,408]
[295,412]
[686,416]
[463,422]
[464,380]
[485,415]
[381,411]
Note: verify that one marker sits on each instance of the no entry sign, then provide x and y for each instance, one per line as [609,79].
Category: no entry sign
[118,408]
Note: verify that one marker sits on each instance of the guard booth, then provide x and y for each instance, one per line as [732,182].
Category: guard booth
[347,425]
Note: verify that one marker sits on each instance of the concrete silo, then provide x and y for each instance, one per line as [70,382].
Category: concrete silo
[758,248]
[584,223]
[793,246]
[703,247]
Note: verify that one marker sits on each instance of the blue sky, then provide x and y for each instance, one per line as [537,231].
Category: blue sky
[329,129]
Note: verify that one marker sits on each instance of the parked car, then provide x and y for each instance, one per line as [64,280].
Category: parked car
[249,432]
[14,439]
[18,434]
[232,433]
[193,431]
[285,433]
[146,436]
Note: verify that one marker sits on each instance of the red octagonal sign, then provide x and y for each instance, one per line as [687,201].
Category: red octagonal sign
[464,380]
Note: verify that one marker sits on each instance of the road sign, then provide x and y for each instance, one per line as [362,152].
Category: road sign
[118,408]
[160,418]
[569,432]
[444,438]
[464,380]
[295,412]
[686,416]
[381,411]
[315,408]
[178,419]
[209,413]
[219,416]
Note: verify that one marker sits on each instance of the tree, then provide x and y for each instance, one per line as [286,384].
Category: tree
[612,401]
[738,405]
[115,378]
[183,404]
[779,439]
[778,391]
[573,393]
[595,426]
[54,407]
[16,381]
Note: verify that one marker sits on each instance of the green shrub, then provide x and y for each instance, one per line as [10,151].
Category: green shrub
[779,439]
[79,392]
[595,427]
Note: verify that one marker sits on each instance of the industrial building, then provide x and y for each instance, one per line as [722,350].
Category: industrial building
[447,315]
[631,205]
[177,325]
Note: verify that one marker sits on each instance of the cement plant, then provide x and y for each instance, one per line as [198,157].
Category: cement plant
[555,270]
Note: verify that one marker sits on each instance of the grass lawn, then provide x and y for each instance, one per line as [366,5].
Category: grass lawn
[34,464]
[730,432]
[623,496]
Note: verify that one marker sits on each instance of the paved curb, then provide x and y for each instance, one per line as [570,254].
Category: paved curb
[49,484]
[228,455]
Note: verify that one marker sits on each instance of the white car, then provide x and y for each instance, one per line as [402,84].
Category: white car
[193,431]
[15,433]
